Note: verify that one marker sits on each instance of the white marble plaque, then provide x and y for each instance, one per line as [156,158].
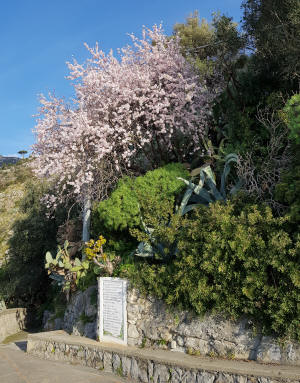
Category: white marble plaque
[112,318]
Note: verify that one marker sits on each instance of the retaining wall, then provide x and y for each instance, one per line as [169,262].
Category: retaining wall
[154,366]
[12,321]
[152,324]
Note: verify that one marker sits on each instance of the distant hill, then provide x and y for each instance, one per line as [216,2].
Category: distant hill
[12,190]
[8,160]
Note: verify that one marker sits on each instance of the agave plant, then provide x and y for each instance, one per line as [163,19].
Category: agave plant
[206,191]
[203,193]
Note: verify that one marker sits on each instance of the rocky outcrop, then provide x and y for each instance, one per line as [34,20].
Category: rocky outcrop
[80,316]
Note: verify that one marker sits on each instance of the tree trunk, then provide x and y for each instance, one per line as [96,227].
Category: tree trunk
[86,221]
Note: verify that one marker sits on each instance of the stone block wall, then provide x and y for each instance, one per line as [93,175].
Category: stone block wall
[148,366]
[12,321]
[152,324]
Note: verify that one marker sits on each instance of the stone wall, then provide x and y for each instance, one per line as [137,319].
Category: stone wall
[2,303]
[80,316]
[12,321]
[151,324]
[154,366]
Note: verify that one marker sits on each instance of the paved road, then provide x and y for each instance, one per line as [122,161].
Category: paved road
[18,367]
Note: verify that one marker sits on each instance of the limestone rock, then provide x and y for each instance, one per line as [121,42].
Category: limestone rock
[132,331]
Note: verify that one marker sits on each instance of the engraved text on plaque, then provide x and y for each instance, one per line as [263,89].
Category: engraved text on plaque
[112,315]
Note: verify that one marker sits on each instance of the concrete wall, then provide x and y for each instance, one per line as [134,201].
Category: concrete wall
[12,321]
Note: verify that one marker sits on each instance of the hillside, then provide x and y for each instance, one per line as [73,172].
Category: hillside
[12,188]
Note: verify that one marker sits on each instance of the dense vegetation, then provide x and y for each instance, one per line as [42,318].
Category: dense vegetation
[234,258]
[27,234]
[239,254]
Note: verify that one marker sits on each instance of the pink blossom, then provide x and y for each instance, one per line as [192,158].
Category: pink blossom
[128,109]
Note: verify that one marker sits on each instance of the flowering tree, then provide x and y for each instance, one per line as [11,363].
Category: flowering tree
[135,112]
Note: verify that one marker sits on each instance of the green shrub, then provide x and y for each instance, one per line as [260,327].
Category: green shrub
[23,281]
[234,259]
[292,114]
[122,210]
[288,192]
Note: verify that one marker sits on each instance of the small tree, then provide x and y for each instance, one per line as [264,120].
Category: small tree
[131,114]
[22,153]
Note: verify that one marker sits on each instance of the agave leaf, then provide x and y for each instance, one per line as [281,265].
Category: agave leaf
[195,198]
[232,157]
[197,171]
[209,173]
[185,200]
[204,194]
[188,183]
[148,230]
[159,248]
[236,187]
[191,207]
[192,188]
[225,173]
[144,250]
[213,190]
[201,182]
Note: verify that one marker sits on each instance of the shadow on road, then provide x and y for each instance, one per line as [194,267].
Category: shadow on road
[22,345]
[19,339]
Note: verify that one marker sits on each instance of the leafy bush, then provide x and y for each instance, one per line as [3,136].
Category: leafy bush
[287,192]
[122,210]
[23,281]
[236,259]
[292,113]
[72,273]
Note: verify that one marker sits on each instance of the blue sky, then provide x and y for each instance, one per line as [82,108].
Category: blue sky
[37,37]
